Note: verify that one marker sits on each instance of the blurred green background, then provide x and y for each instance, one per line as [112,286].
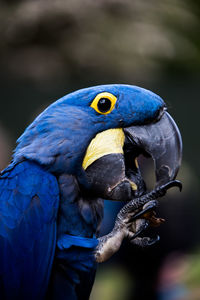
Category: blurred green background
[49,48]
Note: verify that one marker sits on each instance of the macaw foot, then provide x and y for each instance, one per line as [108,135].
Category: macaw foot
[138,214]
[132,220]
[138,207]
[133,208]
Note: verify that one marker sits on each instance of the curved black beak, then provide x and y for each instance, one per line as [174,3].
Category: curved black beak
[162,141]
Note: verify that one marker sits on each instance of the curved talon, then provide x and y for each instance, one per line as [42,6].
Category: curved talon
[168,185]
[149,207]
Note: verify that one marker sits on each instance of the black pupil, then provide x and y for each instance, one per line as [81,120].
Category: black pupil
[104,105]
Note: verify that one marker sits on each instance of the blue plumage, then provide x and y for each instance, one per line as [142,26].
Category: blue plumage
[41,204]
[29,205]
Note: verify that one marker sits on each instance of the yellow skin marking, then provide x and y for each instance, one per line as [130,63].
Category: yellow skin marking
[106,142]
[106,95]
[133,185]
[136,163]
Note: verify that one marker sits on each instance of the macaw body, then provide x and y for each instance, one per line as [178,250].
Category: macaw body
[32,237]
[51,203]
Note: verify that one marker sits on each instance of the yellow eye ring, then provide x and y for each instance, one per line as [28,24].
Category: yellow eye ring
[104,103]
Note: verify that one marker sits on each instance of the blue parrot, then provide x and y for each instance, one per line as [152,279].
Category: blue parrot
[51,194]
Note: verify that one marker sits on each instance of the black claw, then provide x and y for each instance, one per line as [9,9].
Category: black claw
[169,185]
[151,205]
[143,228]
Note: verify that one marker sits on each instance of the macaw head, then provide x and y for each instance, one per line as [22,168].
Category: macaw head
[60,136]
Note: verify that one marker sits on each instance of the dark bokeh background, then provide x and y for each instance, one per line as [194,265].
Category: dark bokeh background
[50,48]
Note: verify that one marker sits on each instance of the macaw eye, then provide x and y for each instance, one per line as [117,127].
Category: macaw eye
[104,103]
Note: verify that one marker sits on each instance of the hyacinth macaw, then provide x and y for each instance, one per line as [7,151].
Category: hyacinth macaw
[78,151]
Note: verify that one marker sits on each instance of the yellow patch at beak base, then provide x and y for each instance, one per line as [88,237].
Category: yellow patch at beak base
[106,142]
